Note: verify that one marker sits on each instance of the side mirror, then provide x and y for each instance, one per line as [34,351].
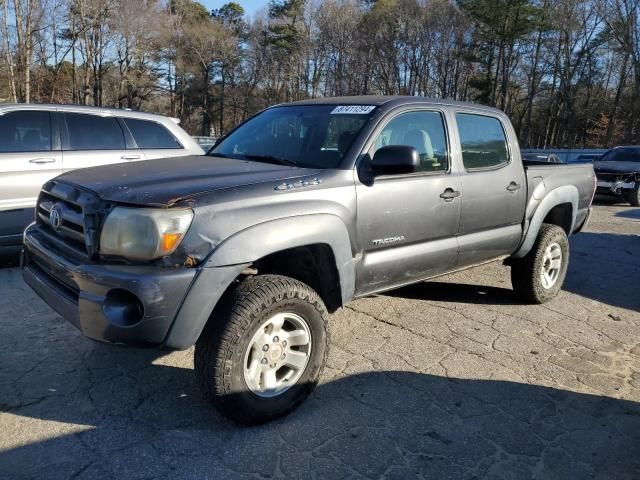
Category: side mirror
[395,159]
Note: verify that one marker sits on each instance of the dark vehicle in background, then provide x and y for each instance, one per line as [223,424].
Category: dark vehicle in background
[618,173]
[297,212]
[586,158]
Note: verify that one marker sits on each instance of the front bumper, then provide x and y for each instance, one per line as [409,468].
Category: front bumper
[614,187]
[101,299]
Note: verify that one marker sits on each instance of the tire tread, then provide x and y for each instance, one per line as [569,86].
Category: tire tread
[633,196]
[238,310]
[524,271]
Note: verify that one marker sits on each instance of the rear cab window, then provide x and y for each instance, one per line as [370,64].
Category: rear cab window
[92,132]
[151,135]
[25,131]
[483,141]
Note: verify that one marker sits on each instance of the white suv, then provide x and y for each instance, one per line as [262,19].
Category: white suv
[38,142]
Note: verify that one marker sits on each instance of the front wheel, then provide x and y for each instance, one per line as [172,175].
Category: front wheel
[634,195]
[262,353]
[538,277]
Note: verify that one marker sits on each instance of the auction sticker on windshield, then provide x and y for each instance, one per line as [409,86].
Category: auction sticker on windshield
[358,109]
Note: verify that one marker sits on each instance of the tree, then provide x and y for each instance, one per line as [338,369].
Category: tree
[285,41]
[134,31]
[231,18]
[566,71]
[501,24]
[622,18]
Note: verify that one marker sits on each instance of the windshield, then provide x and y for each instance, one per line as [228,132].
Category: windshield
[622,155]
[316,136]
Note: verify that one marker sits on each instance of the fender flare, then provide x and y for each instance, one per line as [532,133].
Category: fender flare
[273,236]
[240,250]
[558,196]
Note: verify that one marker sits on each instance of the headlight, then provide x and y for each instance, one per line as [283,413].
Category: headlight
[144,233]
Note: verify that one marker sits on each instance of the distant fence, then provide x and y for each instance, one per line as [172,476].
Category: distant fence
[566,155]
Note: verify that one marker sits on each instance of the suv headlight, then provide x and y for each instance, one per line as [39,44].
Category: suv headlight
[144,233]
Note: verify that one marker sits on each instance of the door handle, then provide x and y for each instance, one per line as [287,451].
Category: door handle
[449,194]
[42,160]
[513,187]
[130,157]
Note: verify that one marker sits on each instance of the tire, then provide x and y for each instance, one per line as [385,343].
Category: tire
[226,352]
[633,196]
[526,273]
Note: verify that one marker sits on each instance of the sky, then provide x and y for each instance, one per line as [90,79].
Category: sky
[250,6]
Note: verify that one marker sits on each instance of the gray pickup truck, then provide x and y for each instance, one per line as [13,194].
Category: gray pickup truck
[293,214]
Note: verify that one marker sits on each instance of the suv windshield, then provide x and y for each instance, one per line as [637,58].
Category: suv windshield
[314,136]
[622,155]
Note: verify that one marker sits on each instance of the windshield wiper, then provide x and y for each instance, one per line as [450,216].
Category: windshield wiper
[271,159]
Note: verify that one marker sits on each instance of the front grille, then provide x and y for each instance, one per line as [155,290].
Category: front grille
[613,177]
[70,215]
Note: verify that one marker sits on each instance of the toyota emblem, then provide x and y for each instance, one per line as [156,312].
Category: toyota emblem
[54,218]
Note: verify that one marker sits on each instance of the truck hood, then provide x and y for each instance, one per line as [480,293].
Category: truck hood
[616,167]
[166,181]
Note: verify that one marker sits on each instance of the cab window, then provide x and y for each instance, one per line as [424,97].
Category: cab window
[483,141]
[422,130]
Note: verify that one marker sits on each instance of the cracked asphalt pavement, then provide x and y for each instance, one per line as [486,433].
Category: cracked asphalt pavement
[452,378]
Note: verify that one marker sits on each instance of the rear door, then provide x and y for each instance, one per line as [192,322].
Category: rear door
[90,140]
[155,140]
[493,188]
[29,156]
[407,225]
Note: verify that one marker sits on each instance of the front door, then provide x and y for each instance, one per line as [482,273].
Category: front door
[493,189]
[406,230]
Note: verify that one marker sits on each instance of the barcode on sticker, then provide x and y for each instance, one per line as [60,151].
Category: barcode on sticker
[357,109]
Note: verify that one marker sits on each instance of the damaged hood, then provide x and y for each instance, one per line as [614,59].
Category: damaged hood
[166,181]
[616,167]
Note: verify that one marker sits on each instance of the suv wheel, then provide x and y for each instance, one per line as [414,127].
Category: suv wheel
[538,277]
[262,353]
[633,196]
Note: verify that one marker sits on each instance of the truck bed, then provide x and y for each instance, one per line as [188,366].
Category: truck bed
[542,177]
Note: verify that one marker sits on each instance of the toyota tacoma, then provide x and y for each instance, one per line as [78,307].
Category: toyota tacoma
[301,209]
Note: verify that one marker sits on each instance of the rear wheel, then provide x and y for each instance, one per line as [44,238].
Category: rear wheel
[263,351]
[633,196]
[538,277]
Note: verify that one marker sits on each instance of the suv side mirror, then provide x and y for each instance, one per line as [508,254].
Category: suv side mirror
[395,159]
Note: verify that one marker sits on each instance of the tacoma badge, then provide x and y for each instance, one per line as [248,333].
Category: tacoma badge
[385,241]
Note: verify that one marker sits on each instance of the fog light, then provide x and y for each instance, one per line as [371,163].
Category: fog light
[122,308]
